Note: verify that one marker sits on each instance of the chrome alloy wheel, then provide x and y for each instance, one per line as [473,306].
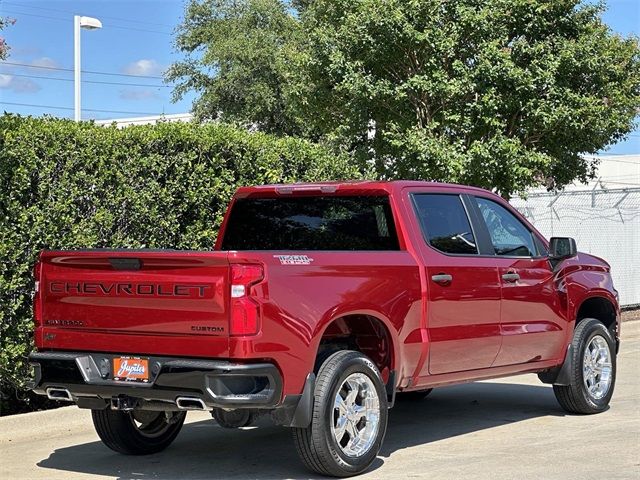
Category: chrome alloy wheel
[356,415]
[596,367]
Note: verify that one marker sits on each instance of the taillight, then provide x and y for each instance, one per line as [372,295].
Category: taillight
[37,304]
[245,312]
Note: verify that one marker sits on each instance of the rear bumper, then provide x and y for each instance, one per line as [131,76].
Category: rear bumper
[217,383]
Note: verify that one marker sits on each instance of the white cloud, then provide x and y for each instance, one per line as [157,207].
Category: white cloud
[5,80]
[144,67]
[18,85]
[28,50]
[138,94]
[24,85]
[45,62]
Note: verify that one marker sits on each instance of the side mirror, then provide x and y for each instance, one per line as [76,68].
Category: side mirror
[561,248]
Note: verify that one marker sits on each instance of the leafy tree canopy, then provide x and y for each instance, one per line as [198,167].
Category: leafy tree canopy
[503,94]
[4,48]
[239,55]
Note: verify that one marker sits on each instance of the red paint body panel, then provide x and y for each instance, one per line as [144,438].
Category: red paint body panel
[464,317]
[533,320]
[178,302]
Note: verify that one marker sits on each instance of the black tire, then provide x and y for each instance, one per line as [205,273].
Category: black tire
[413,396]
[317,445]
[234,419]
[575,398]
[120,430]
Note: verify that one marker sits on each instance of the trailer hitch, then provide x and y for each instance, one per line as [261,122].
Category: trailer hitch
[123,403]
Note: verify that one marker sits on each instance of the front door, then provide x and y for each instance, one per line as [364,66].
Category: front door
[463,287]
[532,325]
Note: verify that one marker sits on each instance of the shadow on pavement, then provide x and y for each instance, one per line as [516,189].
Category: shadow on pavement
[204,450]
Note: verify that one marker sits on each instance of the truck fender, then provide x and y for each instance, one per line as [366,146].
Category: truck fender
[335,314]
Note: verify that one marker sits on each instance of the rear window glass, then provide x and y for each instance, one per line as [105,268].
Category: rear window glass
[311,223]
[444,223]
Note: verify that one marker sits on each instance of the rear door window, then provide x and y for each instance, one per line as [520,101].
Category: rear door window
[311,223]
[444,223]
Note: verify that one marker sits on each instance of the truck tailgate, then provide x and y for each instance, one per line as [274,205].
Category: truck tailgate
[134,301]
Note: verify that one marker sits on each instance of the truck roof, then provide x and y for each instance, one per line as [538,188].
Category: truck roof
[346,187]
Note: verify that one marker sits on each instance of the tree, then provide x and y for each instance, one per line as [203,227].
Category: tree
[238,55]
[503,94]
[4,48]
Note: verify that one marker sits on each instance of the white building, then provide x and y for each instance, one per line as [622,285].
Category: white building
[123,122]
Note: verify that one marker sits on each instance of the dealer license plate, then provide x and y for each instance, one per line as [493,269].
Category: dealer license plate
[131,369]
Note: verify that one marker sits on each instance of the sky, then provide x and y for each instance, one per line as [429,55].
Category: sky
[134,46]
[129,54]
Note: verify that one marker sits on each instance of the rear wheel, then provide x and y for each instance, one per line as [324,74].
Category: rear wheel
[349,417]
[139,432]
[593,374]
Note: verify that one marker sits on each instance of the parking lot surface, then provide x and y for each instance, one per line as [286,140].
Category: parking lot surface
[499,429]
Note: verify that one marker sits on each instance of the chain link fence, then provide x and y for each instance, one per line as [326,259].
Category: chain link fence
[604,222]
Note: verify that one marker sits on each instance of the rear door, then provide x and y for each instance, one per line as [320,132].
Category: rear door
[463,289]
[162,302]
[532,325]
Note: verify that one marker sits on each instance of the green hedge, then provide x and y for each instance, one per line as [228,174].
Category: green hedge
[74,185]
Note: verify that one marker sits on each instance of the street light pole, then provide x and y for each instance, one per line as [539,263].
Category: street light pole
[78,23]
[76,67]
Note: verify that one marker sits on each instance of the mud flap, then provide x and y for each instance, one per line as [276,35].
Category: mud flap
[390,387]
[560,375]
[304,410]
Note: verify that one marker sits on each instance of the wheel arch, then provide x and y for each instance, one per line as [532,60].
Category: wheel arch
[600,306]
[366,331]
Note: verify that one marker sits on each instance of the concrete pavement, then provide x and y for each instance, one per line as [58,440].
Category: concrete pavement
[499,429]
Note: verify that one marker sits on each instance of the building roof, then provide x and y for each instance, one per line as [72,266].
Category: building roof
[124,122]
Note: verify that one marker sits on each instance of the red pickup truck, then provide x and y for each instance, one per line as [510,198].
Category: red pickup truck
[319,306]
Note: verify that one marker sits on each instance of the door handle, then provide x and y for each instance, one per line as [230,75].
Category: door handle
[511,277]
[442,278]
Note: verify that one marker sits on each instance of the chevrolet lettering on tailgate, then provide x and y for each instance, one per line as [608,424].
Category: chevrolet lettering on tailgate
[93,288]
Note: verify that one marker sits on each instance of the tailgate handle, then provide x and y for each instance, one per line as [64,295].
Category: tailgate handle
[126,263]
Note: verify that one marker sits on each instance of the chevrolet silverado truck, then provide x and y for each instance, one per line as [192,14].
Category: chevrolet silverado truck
[320,305]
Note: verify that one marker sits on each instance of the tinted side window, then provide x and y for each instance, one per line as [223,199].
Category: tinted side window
[445,223]
[311,223]
[508,235]
[542,250]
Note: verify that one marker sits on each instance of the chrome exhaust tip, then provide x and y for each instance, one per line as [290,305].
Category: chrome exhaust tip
[190,403]
[59,394]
